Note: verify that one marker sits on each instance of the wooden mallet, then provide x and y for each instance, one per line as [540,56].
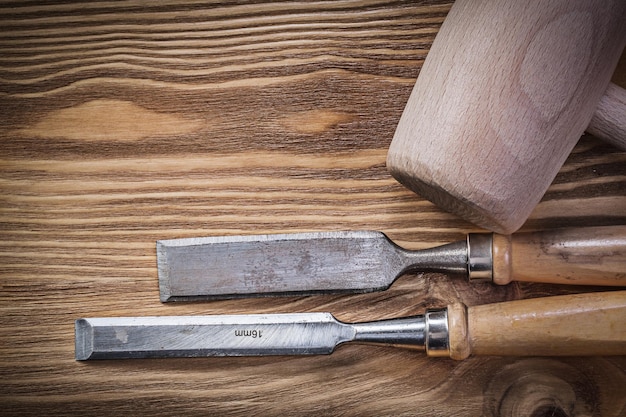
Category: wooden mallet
[505,93]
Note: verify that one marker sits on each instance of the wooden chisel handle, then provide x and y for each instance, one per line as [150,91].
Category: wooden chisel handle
[581,256]
[591,324]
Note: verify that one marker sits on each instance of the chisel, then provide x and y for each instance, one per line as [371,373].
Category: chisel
[359,261]
[582,324]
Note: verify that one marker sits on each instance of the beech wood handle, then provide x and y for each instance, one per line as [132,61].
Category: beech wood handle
[581,256]
[591,324]
[609,120]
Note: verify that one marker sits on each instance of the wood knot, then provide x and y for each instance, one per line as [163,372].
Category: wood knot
[540,388]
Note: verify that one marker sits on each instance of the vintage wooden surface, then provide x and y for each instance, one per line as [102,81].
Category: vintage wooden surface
[128,122]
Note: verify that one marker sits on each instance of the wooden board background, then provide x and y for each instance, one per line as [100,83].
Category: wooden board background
[127,122]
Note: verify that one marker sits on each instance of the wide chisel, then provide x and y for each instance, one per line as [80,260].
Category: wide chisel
[358,261]
[582,324]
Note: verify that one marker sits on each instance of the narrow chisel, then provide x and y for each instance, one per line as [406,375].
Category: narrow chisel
[332,262]
[582,324]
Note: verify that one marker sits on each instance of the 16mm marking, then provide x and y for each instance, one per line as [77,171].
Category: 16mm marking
[248,333]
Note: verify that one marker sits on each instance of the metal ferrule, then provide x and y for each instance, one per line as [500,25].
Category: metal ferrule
[405,332]
[480,256]
[437,336]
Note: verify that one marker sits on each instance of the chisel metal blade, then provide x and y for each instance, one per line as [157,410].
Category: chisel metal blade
[300,263]
[234,335]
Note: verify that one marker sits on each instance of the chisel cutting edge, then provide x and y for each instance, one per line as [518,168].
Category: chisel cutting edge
[583,324]
[359,261]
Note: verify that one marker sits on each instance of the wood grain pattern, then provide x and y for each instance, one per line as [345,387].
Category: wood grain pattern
[584,256]
[543,326]
[128,122]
